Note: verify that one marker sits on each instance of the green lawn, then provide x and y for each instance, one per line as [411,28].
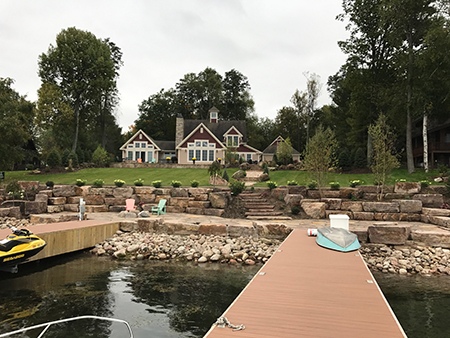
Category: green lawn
[201,175]
[129,175]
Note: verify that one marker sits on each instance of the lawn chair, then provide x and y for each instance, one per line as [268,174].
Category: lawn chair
[130,205]
[161,208]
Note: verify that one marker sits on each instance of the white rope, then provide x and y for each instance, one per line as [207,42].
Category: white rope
[223,321]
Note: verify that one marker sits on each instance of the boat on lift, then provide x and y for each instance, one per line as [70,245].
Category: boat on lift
[18,247]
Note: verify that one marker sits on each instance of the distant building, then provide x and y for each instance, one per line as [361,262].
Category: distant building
[273,148]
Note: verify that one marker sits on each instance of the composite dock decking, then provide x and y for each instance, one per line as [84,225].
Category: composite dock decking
[308,291]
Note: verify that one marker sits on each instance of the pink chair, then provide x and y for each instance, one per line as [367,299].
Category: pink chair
[130,205]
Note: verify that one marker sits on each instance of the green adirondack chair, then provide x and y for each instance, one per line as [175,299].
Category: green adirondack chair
[160,209]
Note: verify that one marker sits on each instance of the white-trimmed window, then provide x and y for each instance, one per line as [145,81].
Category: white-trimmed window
[130,146]
[202,150]
[191,154]
[130,156]
[137,145]
[211,156]
[143,145]
[232,140]
[249,157]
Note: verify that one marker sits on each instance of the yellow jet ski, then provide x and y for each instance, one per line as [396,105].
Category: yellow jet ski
[18,247]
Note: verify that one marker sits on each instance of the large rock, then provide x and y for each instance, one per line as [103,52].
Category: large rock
[182,202]
[212,229]
[4,212]
[128,226]
[115,201]
[219,199]
[97,208]
[122,192]
[63,190]
[94,200]
[272,230]
[332,203]
[41,198]
[264,178]
[381,206]
[199,191]
[410,206]
[235,230]
[389,233]
[71,207]
[292,199]
[431,237]
[195,211]
[430,200]
[217,180]
[436,212]
[179,192]
[238,175]
[55,208]
[148,224]
[297,190]
[407,188]
[352,206]
[35,207]
[314,210]
[82,191]
[213,212]
[102,191]
[178,228]
[29,185]
[57,200]
[279,193]
[15,212]
[199,204]
[74,199]
[363,216]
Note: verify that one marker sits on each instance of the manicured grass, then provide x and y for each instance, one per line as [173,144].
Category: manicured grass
[129,175]
[303,177]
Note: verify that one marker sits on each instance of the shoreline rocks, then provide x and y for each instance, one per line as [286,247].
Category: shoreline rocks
[407,260]
[198,248]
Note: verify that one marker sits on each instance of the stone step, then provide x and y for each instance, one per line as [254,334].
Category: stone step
[250,196]
[259,206]
[279,218]
[254,200]
[261,210]
[259,213]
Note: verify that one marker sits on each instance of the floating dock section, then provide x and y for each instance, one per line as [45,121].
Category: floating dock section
[305,290]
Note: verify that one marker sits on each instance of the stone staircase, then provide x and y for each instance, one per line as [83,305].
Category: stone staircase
[258,208]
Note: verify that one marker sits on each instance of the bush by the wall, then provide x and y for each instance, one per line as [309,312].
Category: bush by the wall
[237,187]
[54,158]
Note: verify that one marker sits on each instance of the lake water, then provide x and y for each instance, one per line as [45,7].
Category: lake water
[158,299]
[163,299]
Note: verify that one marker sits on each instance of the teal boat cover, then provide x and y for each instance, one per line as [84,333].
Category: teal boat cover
[337,239]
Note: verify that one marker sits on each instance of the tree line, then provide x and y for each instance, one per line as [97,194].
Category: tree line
[397,66]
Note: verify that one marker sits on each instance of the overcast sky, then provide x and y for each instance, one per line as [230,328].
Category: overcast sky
[272,42]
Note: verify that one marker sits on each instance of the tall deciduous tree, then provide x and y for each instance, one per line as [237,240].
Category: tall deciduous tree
[82,69]
[16,116]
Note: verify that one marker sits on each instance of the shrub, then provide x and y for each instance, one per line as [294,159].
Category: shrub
[312,185]
[355,183]
[54,158]
[272,185]
[292,183]
[237,187]
[265,168]
[80,182]
[175,184]
[442,169]
[13,187]
[119,183]
[100,157]
[98,183]
[74,157]
[360,160]
[295,210]
[424,184]
[225,175]
[157,184]
[194,183]
[49,184]
[29,166]
[139,182]
[344,159]
[335,185]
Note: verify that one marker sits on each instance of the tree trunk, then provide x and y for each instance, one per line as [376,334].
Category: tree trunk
[77,124]
[409,153]
[425,142]
[369,149]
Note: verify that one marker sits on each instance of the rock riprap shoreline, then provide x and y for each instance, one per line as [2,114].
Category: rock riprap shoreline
[414,259]
[199,248]
[14,222]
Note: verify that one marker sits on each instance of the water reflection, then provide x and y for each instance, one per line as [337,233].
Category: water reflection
[421,304]
[158,299]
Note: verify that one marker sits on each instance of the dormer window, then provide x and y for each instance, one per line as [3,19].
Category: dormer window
[213,115]
[232,141]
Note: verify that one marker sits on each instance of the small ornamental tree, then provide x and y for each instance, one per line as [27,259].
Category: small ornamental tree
[360,160]
[54,158]
[320,155]
[225,175]
[214,170]
[383,158]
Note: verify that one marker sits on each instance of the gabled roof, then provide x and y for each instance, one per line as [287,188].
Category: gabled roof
[272,148]
[187,136]
[166,145]
[218,129]
[131,139]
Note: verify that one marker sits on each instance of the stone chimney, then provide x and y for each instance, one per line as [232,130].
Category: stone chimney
[179,130]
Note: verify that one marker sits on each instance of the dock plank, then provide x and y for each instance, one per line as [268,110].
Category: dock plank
[308,291]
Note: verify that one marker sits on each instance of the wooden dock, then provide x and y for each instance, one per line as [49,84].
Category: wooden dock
[308,291]
[68,237]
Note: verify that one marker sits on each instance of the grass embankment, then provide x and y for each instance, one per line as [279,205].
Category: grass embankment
[185,176]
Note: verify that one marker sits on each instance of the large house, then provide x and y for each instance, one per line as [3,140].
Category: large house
[202,141]
[438,143]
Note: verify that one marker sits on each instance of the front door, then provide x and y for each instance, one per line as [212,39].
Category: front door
[143,156]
